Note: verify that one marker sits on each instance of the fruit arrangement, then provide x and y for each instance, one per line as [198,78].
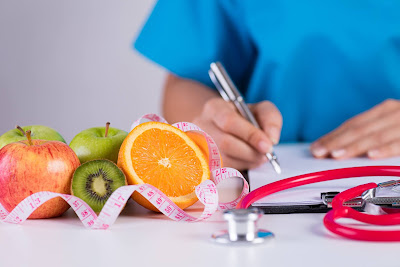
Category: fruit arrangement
[97,162]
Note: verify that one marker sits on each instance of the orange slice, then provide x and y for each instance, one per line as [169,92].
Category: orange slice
[160,154]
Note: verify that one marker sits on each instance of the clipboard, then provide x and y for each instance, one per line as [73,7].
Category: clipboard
[288,209]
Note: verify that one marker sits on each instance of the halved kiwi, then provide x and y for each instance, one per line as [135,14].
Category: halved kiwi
[95,181]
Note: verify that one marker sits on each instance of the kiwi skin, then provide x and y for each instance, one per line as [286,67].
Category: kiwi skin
[107,176]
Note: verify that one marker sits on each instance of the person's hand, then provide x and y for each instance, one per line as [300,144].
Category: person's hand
[375,133]
[241,144]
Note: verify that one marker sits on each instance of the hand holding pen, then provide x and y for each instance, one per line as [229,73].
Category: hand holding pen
[242,145]
[269,116]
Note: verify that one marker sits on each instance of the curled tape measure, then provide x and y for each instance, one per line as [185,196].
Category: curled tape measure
[206,192]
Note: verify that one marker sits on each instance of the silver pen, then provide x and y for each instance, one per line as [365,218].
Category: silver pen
[230,93]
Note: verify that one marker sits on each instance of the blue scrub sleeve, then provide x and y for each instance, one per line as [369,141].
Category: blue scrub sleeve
[185,36]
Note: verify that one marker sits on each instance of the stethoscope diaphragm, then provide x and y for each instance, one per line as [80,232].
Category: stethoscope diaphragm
[242,228]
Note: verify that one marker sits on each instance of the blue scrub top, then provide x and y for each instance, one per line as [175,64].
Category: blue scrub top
[319,62]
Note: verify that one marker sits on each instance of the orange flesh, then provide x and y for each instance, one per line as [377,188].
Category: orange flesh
[163,159]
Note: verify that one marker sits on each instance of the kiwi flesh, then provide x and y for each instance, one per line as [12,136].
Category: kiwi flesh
[95,181]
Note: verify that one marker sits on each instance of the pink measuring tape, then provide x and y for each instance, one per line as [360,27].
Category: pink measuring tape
[206,192]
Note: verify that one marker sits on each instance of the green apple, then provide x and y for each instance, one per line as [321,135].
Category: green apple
[98,143]
[37,132]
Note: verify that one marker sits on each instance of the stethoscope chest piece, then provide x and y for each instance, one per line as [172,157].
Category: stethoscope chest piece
[242,228]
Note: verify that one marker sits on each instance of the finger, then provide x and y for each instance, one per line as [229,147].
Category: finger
[228,120]
[239,164]
[358,140]
[368,143]
[378,111]
[391,149]
[364,124]
[269,118]
[387,136]
[236,148]
[322,147]
[230,146]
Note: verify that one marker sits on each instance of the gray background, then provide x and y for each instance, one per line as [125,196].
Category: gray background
[70,64]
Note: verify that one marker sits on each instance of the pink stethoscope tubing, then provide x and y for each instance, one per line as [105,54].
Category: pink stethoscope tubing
[338,210]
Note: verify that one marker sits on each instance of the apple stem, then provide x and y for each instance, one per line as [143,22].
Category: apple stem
[107,126]
[20,128]
[28,135]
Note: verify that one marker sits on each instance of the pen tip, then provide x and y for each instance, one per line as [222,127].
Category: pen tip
[276,166]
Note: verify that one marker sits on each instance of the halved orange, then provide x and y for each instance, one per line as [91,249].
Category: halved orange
[160,154]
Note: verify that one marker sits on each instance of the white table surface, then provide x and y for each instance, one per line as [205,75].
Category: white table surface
[143,238]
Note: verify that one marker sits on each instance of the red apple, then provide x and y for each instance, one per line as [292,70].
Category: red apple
[31,166]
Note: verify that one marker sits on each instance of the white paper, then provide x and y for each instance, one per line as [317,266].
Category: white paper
[296,159]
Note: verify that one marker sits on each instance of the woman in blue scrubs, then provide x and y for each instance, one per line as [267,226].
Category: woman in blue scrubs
[325,72]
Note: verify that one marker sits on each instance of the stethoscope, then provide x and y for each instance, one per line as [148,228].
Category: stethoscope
[242,221]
